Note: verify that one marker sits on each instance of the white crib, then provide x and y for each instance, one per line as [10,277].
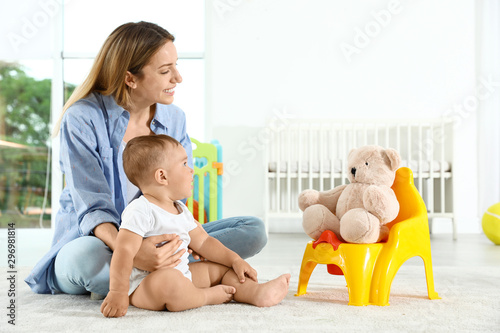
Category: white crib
[311,154]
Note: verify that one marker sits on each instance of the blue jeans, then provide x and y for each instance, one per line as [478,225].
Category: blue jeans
[82,265]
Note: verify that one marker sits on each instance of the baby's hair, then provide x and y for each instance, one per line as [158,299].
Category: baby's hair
[144,154]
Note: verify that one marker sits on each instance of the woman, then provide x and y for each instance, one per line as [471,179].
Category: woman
[128,93]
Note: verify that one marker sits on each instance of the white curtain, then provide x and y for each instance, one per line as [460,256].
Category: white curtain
[488,48]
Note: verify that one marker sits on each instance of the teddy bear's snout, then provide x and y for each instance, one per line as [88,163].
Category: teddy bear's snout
[353,171]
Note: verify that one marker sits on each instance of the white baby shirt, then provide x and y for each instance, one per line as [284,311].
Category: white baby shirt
[147,219]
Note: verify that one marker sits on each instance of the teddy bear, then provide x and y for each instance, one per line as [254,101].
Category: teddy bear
[356,212]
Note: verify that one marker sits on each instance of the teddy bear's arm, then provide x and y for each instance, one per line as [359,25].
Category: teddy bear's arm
[330,198]
[308,198]
[381,201]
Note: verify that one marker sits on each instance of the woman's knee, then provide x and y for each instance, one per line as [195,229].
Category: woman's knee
[256,236]
[245,235]
[259,228]
[83,265]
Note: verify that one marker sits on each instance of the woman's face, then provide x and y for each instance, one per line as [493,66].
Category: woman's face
[160,76]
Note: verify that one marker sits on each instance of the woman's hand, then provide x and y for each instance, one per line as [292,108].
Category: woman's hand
[158,252]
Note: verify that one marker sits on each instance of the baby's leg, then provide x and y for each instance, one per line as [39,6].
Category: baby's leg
[169,289]
[207,274]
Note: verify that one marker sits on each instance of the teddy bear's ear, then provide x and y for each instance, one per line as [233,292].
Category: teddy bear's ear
[351,152]
[394,158]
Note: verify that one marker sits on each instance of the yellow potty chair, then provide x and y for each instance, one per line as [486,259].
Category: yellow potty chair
[369,269]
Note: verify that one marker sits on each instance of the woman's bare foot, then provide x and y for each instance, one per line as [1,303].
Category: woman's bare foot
[219,294]
[272,292]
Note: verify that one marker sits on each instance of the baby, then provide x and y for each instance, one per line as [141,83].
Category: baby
[158,165]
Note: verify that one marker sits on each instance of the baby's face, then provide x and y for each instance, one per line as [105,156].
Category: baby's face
[179,174]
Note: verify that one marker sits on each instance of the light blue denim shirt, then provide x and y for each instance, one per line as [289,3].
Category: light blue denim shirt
[91,133]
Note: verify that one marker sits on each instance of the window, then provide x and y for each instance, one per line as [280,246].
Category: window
[24,151]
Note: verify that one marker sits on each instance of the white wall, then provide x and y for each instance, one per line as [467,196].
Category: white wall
[488,32]
[338,59]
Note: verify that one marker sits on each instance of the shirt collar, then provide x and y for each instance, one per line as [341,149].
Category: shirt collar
[114,110]
[160,119]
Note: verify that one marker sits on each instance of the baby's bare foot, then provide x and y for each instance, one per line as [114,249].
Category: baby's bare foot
[219,294]
[272,292]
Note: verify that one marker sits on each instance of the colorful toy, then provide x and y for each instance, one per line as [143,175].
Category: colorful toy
[207,189]
[491,223]
[356,212]
[369,269]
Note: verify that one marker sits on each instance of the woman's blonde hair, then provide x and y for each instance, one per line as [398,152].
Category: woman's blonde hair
[128,48]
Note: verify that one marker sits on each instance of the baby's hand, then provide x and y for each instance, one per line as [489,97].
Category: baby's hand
[242,269]
[115,304]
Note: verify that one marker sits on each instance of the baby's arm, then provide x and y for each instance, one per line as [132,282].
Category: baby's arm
[127,245]
[213,250]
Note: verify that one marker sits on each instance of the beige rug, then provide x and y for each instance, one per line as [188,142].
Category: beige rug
[470,303]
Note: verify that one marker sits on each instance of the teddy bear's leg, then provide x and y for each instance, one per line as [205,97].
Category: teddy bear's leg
[359,226]
[317,218]
[384,233]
